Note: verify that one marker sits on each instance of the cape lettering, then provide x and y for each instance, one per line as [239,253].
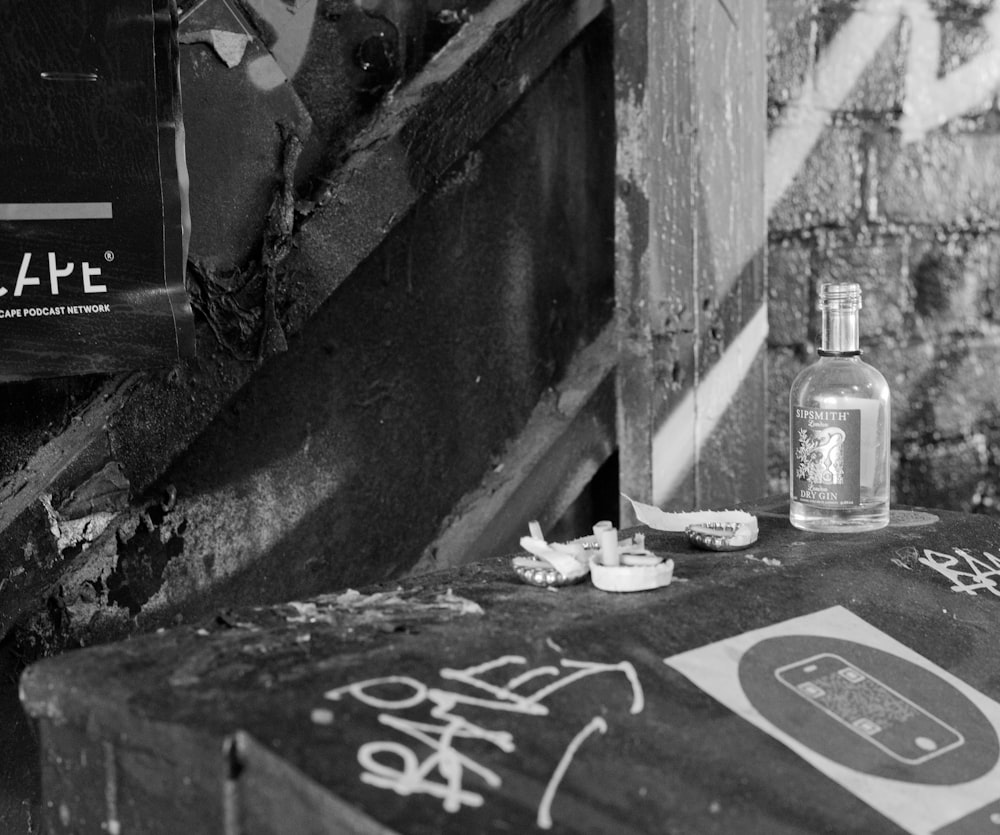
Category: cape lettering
[54,274]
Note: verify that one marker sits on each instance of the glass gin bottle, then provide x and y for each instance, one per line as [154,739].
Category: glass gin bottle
[839,428]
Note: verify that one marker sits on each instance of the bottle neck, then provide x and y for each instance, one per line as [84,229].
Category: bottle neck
[839,336]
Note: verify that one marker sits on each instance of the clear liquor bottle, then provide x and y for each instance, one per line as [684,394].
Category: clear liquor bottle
[839,428]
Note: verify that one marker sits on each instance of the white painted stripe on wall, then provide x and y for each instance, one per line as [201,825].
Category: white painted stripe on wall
[55,211]
[677,443]
[930,101]
[932,98]
[837,71]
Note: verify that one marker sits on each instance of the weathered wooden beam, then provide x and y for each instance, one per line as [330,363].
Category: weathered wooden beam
[690,90]
[144,421]
[566,440]
[429,125]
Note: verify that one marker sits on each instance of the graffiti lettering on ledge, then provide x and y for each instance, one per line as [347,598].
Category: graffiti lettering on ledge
[975,573]
[442,773]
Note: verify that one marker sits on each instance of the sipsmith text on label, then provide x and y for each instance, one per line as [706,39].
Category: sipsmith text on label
[821,414]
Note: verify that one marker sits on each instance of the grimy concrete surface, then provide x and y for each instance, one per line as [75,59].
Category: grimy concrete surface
[468,701]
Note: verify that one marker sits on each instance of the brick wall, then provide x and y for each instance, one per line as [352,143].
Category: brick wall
[884,168]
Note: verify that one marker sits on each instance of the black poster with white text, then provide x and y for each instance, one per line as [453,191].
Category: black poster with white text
[93,203]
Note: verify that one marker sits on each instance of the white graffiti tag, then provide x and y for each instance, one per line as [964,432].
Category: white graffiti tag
[931,99]
[980,573]
[394,765]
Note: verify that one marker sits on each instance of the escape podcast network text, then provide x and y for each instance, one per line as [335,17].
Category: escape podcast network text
[56,310]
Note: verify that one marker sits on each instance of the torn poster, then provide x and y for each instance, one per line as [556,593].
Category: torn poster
[93,191]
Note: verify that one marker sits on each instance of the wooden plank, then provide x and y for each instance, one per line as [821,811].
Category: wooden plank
[655,236]
[637,385]
[730,81]
[133,771]
[689,215]
[429,125]
[144,421]
[566,440]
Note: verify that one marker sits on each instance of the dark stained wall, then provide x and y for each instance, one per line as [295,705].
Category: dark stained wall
[337,462]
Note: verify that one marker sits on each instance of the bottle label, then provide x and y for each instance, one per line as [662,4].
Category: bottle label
[827,456]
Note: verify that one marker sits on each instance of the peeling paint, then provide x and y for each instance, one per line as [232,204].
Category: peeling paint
[143,559]
[265,73]
[240,305]
[465,174]
[88,511]
[229,46]
[70,533]
[106,490]
[623,241]
[632,123]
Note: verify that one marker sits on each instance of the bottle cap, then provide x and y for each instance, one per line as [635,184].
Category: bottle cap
[840,294]
[839,304]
